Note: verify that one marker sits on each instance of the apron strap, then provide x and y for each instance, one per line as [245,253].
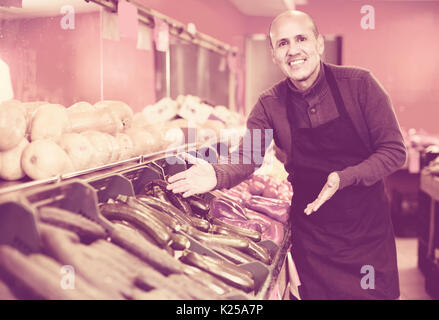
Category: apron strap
[335,91]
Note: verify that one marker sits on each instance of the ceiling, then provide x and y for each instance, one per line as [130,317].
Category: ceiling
[39,8]
[265,8]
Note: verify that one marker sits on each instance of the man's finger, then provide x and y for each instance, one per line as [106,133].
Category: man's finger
[308,209]
[177,176]
[190,158]
[188,194]
[177,184]
[181,189]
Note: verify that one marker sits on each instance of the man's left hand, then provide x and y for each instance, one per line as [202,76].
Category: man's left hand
[329,189]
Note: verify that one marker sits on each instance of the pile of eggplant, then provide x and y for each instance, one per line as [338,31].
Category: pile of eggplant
[249,205]
[169,221]
[78,253]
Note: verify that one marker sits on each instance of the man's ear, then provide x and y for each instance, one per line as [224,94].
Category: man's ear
[320,44]
[272,55]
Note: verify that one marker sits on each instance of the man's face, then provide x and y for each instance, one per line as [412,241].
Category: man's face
[296,50]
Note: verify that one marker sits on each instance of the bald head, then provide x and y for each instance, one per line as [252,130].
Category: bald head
[295,15]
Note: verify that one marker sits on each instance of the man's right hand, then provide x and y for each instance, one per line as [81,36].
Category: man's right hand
[199,178]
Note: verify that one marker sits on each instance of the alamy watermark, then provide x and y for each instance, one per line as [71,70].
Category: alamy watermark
[368,280]
[367,21]
[253,144]
[68,279]
[68,20]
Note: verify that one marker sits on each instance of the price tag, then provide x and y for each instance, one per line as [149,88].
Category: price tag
[161,35]
[128,22]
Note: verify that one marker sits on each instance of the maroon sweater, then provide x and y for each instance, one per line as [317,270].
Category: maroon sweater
[367,104]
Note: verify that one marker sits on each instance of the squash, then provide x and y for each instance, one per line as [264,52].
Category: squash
[10,162]
[193,110]
[126,146]
[120,109]
[78,148]
[140,120]
[44,158]
[173,137]
[101,145]
[114,148]
[12,124]
[30,108]
[162,111]
[144,141]
[50,121]
[102,120]
[80,106]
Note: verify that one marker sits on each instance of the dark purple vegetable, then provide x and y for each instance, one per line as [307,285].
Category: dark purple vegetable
[245,224]
[243,195]
[199,206]
[256,187]
[157,188]
[274,233]
[225,208]
[276,209]
[245,228]
[261,218]
[165,207]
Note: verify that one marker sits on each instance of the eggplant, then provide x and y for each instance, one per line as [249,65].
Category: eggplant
[158,189]
[226,208]
[155,228]
[200,207]
[174,213]
[165,207]
[263,220]
[226,271]
[242,228]
[275,233]
[143,249]
[276,209]
[165,218]
[232,240]
[179,242]
[258,252]
[244,195]
[224,195]
[65,219]
[231,254]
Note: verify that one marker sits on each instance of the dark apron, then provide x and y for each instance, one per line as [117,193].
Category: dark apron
[345,250]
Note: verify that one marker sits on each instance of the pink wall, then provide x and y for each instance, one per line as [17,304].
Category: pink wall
[52,64]
[217,18]
[64,66]
[402,51]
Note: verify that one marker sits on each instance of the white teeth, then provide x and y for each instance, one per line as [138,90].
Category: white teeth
[292,63]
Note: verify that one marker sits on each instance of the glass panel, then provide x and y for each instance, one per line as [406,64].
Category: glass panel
[194,70]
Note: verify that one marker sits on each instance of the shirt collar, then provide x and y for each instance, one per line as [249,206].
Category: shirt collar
[316,87]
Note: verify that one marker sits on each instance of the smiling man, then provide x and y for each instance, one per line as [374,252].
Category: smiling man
[338,130]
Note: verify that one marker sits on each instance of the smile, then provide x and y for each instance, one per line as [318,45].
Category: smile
[296,62]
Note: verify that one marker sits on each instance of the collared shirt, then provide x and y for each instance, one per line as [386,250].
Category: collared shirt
[309,111]
[367,104]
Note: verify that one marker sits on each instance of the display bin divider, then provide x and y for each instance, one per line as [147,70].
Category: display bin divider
[258,269]
[18,228]
[75,196]
[139,177]
[110,186]
[171,165]
[260,273]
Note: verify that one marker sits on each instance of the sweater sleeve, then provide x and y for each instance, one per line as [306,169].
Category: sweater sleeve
[240,164]
[389,151]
